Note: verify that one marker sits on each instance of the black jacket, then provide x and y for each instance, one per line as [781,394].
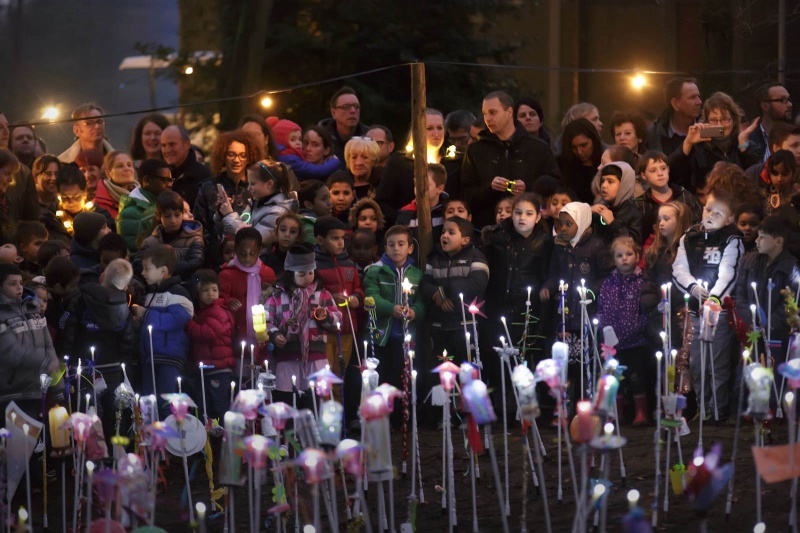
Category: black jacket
[336,140]
[649,207]
[627,222]
[188,176]
[691,170]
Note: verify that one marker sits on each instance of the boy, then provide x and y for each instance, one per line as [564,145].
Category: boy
[29,238]
[458,268]
[88,229]
[72,199]
[185,237]
[383,282]
[62,278]
[135,221]
[343,194]
[560,197]
[25,344]
[339,276]
[50,249]
[457,208]
[315,201]
[437,198]
[748,219]
[113,246]
[168,308]
[363,250]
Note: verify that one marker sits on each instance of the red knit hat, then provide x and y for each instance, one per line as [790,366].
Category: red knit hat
[281,130]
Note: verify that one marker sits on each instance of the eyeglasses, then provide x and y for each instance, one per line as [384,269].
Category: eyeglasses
[348,107]
[720,121]
[783,100]
[165,180]
[71,199]
[93,123]
[234,155]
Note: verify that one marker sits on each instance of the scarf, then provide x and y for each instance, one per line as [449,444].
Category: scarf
[581,213]
[298,323]
[116,191]
[253,294]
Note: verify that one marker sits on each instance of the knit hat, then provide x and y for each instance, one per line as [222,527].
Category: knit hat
[300,258]
[282,129]
[89,158]
[86,226]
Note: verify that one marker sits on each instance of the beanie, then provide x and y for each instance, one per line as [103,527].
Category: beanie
[89,158]
[281,130]
[86,226]
[271,121]
[300,258]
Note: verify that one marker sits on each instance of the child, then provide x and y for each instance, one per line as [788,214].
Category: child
[227,251]
[616,215]
[337,273]
[88,229]
[458,268]
[211,333]
[41,292]
[50,249]
[503,209]
[167,309]
[782,171]
[271,196]
[25,343]
[437,198]
[367,214]
[62,278]
[705,268]
[301,312]
[654,171]
[455,207]
[29,237]
[383,282]
[113,246]
[315,201]
[363,249]
[288,140]
[619,305]
[289,232]
[748,219]
[343,194]
[243,281]
[185,238]
[560,197]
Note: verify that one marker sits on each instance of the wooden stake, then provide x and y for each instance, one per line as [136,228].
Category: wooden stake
[418,105]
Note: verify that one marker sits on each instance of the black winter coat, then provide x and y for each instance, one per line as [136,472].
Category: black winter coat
[627,222]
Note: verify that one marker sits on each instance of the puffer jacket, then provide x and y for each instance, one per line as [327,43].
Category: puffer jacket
[339,275]
[310,171]
[188,246]
[262,215]
[691,170]
[383,282]
[168,310]
[211,336]
[27,348]
[135,220]
[619,305]
[233,284]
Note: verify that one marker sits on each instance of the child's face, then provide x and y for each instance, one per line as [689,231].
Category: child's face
[625,259]
[30,249]
[433,191]
[247,253]
[172,219]
[72,198]
[456,208]
[208,294]
[43,295]
[525,218]
[748,224]
[341,197]
[228,251]
[398,248]
[367,219]
[106,256]
[296,140]
[304,279]
[716,214]
[152,274]
[452,240]
[656,175]
[288,233]
[9,255]
[503,210]
[667,221]
[557,203]
[782,178]
[609,187]
[322,203]
[187,212]
[12,287]
[333,242]
[769,245]
[363,250]
[259,189]
[569,228]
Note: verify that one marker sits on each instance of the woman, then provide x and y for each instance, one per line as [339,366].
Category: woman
[580,157]
[9,164]
[120,179]
[529,112]
[361,155]
[397,184]
[146,140]
[630,130]
[257,126]
[317,161]
[44,171]
[700,153]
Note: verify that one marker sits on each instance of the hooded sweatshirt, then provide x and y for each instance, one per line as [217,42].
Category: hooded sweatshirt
[627,217]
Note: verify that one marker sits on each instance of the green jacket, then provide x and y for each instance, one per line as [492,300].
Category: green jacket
[135,221]
[382,281]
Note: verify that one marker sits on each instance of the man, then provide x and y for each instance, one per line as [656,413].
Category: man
[23,144]
[457,123]
[505,159]
[683,103]
[385,141]
[775,106]
[137,210]
[345,120]
[187,172]
[89,131]
[22,200]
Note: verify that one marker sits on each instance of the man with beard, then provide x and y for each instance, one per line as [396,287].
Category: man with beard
[775,105]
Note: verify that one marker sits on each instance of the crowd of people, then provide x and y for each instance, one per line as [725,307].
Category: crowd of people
[157,255]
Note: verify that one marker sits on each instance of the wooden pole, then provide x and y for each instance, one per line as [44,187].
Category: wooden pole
[418,105]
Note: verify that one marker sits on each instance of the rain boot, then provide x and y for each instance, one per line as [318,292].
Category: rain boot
[640,403]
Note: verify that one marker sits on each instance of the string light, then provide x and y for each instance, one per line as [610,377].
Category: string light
[266,102]
[638,82]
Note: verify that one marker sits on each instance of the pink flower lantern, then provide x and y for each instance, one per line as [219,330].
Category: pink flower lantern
[256,450]
[81,426]
[315,465]
[447,375]
[179,404]
[350,452]
[279,412]
[247,402]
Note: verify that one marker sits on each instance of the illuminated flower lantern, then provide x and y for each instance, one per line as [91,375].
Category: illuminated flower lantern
[315,465]
[59,430]
[447,375]
[350,452]
[230,472]
[525,382]
[791,371]
[256,450]
[279,412]
[330,423]
[759,383]
[389,393]
[606,396]
[179,404]
[549,371]
[708,325]
[369,376]
[476,399]
[81,426]
[375,410]
[159,432]
[706,478]
[585,425]
[248,401]
[324,379]
[467,372]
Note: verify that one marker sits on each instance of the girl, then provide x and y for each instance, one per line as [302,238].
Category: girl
[503,209]
[270,186]
[300,312]
[615,214]
[366,214]
[581,149]
[748,218]
[289,232]
[781,183]
[619,306]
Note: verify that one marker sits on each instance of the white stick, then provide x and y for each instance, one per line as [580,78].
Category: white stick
[472,483]
[540,467]
[496,472]
[26,428]
[152,362]
[241,366]
[89,472]
[656,439]
[451,487]
[702,390]
[203,386]
[713,380]
[464,322]
[503,357]
[94,377]
[186,472]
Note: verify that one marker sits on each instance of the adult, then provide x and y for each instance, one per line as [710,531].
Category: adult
[317,162]
[345,121]
[699,154]
[176,147]
[232,154]
[504,160]
[257,126]
[775,106]
[457,123]
[90,163]
[682,105]
[630,130]
[361,158]
[20,194]
[119,181]
[8,166]
[44,170]
[397,184]
[580,157]
[89,131]
[583,110]
[23,144]
[530,113]
[137,210]
[146,139]
[384,139]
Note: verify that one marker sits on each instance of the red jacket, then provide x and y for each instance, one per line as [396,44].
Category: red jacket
[211,336]
[233,284]
[340,275]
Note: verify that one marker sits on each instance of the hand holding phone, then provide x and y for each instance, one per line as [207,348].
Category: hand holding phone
[711,132]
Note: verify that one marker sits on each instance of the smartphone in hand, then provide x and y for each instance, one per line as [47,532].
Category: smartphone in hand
[712,132]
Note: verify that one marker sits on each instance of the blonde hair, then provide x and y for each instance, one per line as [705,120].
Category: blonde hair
[117,275]
[580,110]
[669,246]
[363,145]
[625,242]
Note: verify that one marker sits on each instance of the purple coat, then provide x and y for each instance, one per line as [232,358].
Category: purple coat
[619,306]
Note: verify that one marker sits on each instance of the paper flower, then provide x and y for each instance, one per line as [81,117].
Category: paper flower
[705,478]
[279,412]
[179,404]
[447,374]
[350,453]
[477,402]
[315,465]
[791,371]
[607,351]
[467,372]
[375,407]
[549,371]
[248,402]
[474,308]
[256,450]
[159,433]
[81,424]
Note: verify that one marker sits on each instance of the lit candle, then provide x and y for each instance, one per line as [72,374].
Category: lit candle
[659,355]
[753,312]
[502,341]
[179,384]
[259,322]
[633,498]
[755,293]
[59,435]
[233,388]
[80,371]
[201,516]
[585,422]
[528,302]
[505,327]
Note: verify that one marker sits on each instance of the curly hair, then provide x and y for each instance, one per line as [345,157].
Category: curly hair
[366,203]
[634,117]
[729,184]
[255,153]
